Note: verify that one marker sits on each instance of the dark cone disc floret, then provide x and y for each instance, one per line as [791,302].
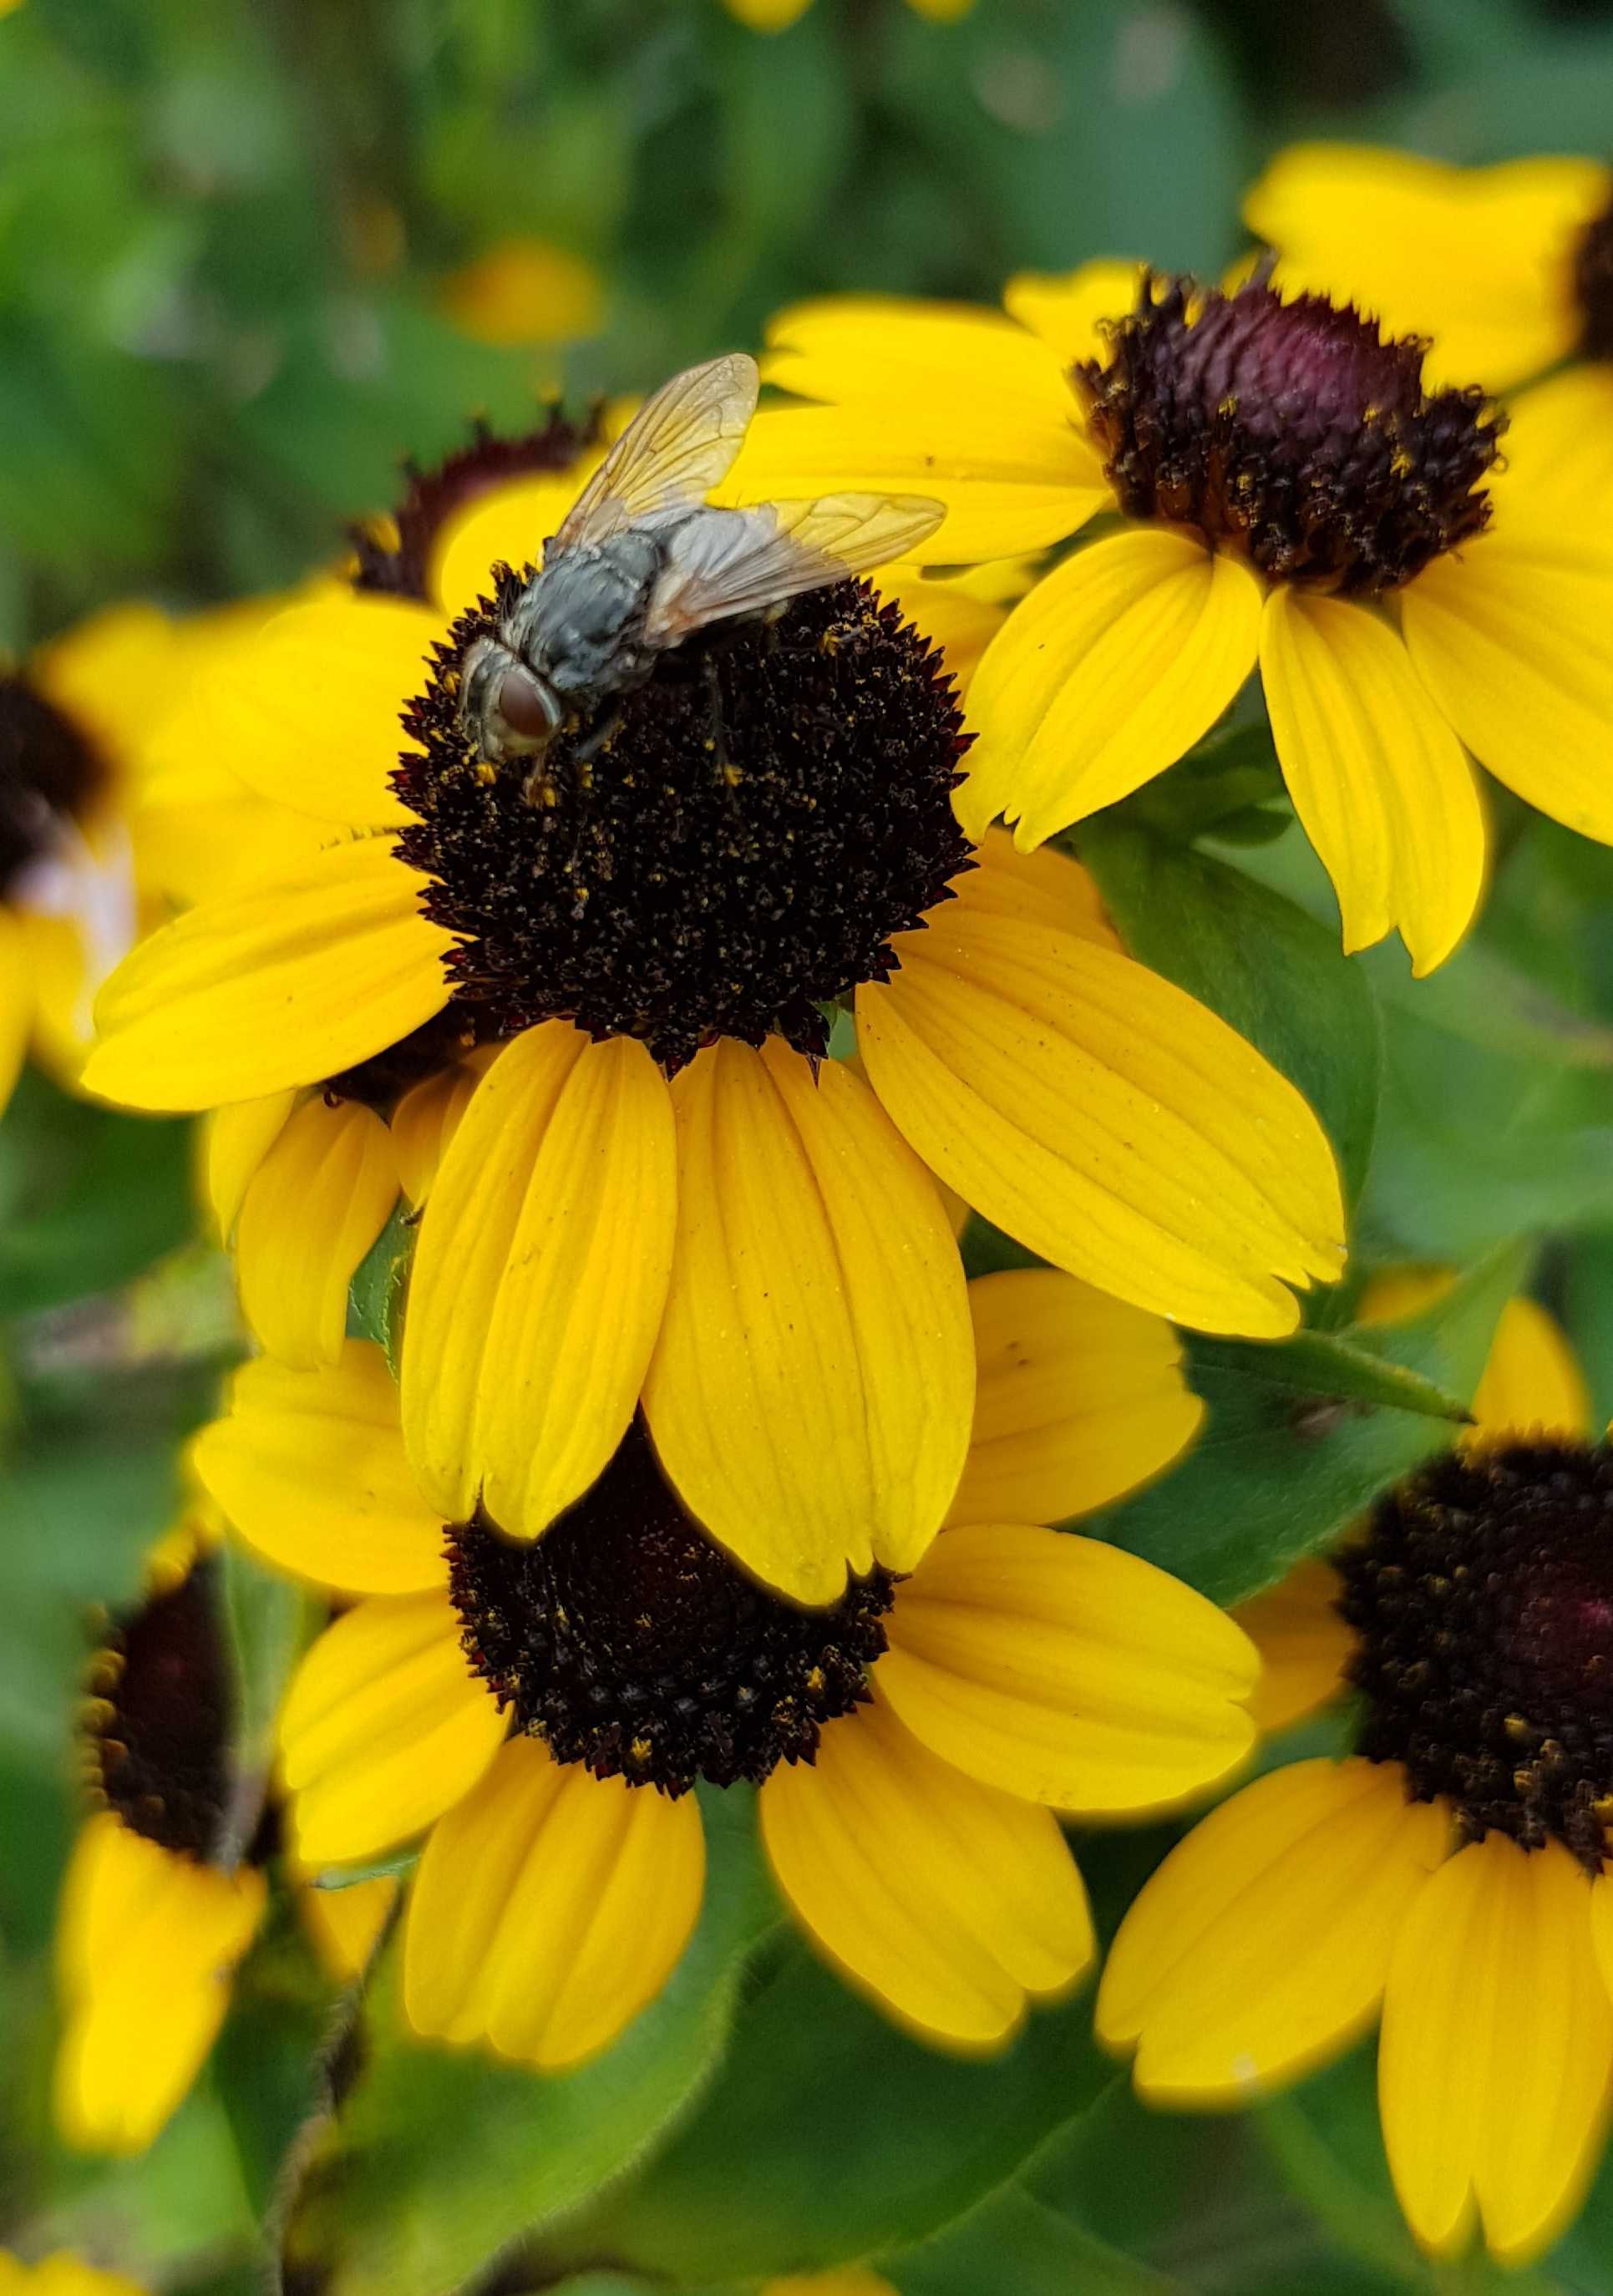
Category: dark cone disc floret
[734,854]
[1290,431]
[49,773]
[628,1642]
[1593,286]
[1483,1598]
[393,556]
[159,1720]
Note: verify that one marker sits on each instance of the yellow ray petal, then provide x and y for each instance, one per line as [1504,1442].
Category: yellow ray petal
[1108,673]
[1079,1398]
[310,715]
[147,1944]
[1557,452]
[1260,1947]
[1478,258]
[1514,640]
[811,1389]
[384,1726]
[1302,1641]
[1068,311]
[62,2273]
[312,1209]
[549,1908]
[1046,884]
[948,1903]
[1109,1122]
[873,349]
[1007,487]
[309,1467]
[424,1122]
[346,1924]
[284,985]
[1532,1381]
[1483,2107]
[511,524]
[237,1139]
[1065,1671]
[1377,777]
[950,614]
[540,1277]
[16,1002]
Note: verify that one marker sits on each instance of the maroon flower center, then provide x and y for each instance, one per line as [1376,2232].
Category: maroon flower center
[49,774]
[1593,286]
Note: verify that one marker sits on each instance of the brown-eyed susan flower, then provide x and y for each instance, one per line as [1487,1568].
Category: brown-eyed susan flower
[523,289]
[1296,498]
[1449,1873]
[660,1193]
[63,2273]
[540,1710]
[161,1897]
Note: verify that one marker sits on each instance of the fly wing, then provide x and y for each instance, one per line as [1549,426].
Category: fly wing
[672,453]
[738,562]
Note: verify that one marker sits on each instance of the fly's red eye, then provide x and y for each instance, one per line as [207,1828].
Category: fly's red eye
[525,706]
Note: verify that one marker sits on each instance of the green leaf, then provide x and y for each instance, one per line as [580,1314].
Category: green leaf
[379,1291]
[1269,1480]
[268,2064]
[439,2158]
[1017,2242]
[1330,1367]
[828,2135]
[89,1197]
[1269,970]
[267,1618]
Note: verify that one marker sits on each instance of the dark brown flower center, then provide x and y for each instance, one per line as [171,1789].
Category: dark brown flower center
[49,774]
[160,1719]
[394,555]
[1593,286]
[628,1642]
[1290,431]
[1483,1597]
[762,816]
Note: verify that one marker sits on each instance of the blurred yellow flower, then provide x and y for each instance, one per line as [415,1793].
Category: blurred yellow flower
[778,15]
[525,291]
[61,2275]
[1449,1873]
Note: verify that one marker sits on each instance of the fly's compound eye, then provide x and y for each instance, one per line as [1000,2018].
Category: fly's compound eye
[527,707]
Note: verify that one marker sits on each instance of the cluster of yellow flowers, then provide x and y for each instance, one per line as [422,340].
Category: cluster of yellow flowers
[656,1057]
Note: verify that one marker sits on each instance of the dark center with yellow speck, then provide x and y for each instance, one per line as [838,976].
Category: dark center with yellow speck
[1289,430]
[49,773]
[1593,286]
[628,1642]
[1483,1598]
[159,1719]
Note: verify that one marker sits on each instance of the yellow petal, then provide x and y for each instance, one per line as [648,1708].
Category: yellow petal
[1103,1118]
[1079,1398]
[1532,1382]
[876,349]
[285,985]
[147,1943]
[523,290]
[1260,1947]
[767,15]
[1046,884]
[549,1908]
[1302,1643]
[237,1140]
[1497,2051]
[312,1209]
[811,1391]
[1013,480]
[309,1467]
[510,524]
[346,1924]
[16,1002]
[384,1726]
[310,715]
[951,616]
[1065,1672]
[853,2280]
[948,1903]
[1377,777]
[1108,673]
[540,1277]
[424,1122]
[1068,311]
[1558,459]
[1514,640]
[1478,258]
[63,2273]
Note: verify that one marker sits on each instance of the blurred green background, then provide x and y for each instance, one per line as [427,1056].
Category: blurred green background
[252,257]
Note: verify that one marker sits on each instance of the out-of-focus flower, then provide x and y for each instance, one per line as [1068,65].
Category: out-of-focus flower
[778,15]
[525,291]
[63,2273]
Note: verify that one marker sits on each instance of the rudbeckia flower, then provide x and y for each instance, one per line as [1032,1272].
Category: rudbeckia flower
[1448,1875]
[158,1905]
[1294,498]
[778,15]
[63,2273]
[523,289]
[660,1193]
[539,1711]
[74,892]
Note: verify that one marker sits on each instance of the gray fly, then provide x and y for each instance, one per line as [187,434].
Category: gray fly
[642,562]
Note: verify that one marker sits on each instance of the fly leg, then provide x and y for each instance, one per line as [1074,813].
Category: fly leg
[722,757]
